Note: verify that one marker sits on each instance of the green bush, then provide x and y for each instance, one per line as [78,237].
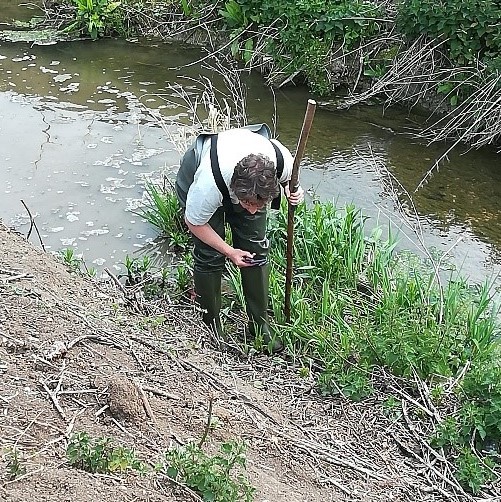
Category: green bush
[470,28]
[306,31]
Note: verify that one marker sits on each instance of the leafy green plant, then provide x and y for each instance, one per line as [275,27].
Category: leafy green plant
[184,274]
[186,7]
[233,14]
[470,29]
[472,472]
[100,455]
[70,259]
[164,212]
[15,467]
[358,304]
[137,269]
[211,476]
[375,307]
[95,17]
[306,32]
[392,407]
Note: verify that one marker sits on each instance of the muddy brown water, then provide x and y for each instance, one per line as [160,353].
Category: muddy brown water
[77,143]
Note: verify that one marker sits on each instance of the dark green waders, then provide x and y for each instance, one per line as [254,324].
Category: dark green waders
[209,264]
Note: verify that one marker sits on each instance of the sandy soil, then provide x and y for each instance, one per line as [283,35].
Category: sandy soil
[73,358]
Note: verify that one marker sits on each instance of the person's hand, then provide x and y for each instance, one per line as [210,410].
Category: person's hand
[239,257]
[297,197]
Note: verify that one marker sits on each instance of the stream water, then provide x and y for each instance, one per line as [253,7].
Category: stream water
[78,141]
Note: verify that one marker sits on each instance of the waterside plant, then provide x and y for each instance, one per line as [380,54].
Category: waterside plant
[360,307]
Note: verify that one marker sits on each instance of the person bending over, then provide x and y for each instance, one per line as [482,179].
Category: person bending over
[232,178]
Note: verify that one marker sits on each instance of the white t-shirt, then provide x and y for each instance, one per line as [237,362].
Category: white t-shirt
[233,145]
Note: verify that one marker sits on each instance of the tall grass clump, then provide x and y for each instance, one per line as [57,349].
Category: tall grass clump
[163,211]
[380,308]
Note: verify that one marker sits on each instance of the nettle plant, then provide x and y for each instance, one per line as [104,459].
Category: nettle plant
[100,455]
[219,477]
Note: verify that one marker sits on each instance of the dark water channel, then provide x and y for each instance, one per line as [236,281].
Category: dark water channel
[77,143]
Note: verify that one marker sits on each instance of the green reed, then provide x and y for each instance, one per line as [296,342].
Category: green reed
[163,212]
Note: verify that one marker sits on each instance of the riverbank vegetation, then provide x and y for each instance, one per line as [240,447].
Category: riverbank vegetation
[444,56]
[368,319]
[365,317]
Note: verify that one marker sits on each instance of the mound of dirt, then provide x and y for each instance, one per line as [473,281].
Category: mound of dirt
[74,358]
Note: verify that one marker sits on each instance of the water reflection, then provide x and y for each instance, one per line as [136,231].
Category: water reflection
[77,144]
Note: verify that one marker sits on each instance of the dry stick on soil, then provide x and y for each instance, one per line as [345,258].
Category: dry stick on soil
[162,393]
[187,489]
[319,451]
[432,468]
[114,278]
[209,419]
[215,382]
[17,277]
[54,400]
[33,224]
[144,399]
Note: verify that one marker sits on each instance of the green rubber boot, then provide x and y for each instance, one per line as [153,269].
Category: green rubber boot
[255,288]
[208,290]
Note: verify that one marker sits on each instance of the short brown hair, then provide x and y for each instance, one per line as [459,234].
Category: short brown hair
[255,179]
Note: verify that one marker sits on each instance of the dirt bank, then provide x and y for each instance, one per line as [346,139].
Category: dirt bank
[73,359]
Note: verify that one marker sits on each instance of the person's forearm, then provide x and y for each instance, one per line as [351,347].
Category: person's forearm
[208,235]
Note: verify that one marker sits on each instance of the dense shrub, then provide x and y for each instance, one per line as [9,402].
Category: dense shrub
[471,29]
[307,31]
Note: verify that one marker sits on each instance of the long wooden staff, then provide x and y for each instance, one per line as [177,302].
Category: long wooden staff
[293,186]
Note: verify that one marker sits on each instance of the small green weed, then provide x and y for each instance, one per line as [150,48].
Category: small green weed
[15,467]
[211,475]
[76,263]
[70,259]
[100,455]
[472,472]
[184,274]
[137,269]
[392,407]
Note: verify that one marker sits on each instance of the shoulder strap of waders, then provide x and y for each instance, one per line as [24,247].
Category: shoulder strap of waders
[216,172]
[280,169]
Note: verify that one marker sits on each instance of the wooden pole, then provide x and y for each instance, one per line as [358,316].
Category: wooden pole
[293,185]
